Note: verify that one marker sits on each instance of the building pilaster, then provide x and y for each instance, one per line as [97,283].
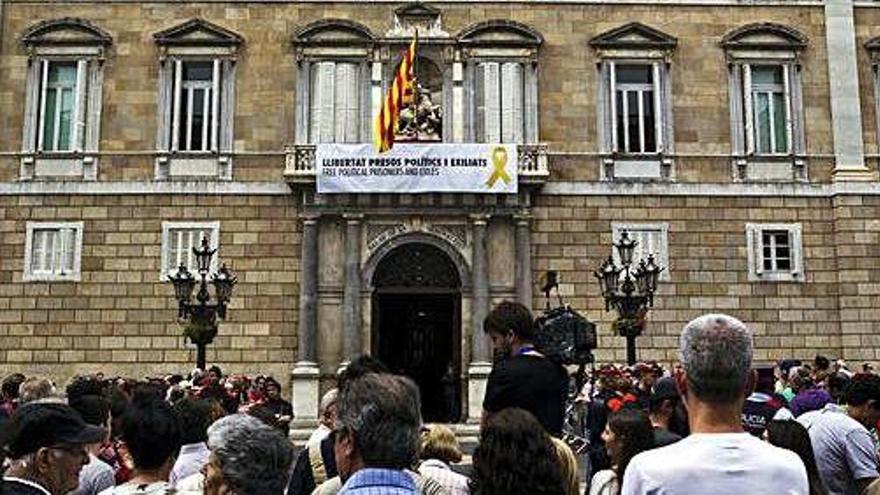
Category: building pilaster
[351,295]
[305,374]
[523,272]
[480,365]
[843,77]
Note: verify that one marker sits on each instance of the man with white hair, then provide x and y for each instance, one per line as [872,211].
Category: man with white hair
[718,457]
[248,457]
[328,416]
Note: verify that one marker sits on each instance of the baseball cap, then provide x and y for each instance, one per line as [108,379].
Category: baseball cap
[37,425]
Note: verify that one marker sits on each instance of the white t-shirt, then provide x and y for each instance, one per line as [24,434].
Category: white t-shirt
[717,464]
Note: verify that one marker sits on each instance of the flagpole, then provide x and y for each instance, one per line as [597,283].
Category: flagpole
[415,102]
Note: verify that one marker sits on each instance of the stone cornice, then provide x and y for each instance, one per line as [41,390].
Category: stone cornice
[553,188]
[742,3]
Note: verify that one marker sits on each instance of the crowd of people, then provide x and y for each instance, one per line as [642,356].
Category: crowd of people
[712,423]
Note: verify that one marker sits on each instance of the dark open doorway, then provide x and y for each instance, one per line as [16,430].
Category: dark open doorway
[417,325]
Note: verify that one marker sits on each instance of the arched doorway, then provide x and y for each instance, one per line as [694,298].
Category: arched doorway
[416,324]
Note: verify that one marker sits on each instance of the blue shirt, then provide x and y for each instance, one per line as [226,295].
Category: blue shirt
[374,481]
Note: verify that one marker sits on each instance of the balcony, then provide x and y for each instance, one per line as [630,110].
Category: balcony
[299,162]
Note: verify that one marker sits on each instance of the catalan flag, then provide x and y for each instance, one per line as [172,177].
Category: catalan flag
[400,94]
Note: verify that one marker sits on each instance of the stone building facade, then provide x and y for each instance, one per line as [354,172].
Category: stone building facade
[738,141]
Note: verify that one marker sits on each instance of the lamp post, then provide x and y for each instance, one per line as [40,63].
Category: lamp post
[628,289]
[201,316]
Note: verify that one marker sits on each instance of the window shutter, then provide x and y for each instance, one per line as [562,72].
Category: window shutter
[602,108]
[612,93]
[757,250]
[38,251]
[797,252]
[512,102]
[647,240]
[749,109]
[491,103]
[175,112]
[328,109]
[346,103]
[70,250]
[178,250]
[786,81]
[192,240]
[61,258]
[659,116]
[53,251]
[340,99]
[79,105]
[315,103]
[215,106]
[479,115]
[353,109]
[44,83]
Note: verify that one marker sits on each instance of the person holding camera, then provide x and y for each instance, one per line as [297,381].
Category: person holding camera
[522,376]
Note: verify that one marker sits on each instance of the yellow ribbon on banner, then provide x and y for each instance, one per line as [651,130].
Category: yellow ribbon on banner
[499,164]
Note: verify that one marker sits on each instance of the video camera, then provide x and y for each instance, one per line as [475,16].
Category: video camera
[561,333]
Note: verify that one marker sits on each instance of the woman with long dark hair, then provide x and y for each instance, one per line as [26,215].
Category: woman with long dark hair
[515,457]
[791,435]
[628,432]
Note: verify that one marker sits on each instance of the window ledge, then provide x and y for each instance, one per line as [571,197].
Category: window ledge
[637,168]
[776,277]
[770,168]
[193,166]
[59,165]
[51,277]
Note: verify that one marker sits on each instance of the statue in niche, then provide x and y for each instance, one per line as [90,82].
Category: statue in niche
[422,119]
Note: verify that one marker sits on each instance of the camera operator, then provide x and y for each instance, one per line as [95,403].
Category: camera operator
[522,377]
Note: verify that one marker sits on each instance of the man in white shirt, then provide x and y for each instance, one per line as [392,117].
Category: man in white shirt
[719,457]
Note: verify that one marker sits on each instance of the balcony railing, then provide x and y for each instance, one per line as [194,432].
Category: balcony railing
[300,163]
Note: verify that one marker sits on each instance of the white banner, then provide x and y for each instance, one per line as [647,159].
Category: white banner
[417,168]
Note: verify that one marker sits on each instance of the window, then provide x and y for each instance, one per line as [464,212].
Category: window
[196,101]
[60,102]
[53,251]
[635,97]
[494,97]
[651,238]
[500,91]
[334,95]
[178,241]
[634,107]
[335,109]
[63,99]
[766,109]
[775,252]
[196,105]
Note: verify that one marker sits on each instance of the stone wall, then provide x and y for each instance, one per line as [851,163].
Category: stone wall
[120,318]
[708,268]
[856,237]
[266,76]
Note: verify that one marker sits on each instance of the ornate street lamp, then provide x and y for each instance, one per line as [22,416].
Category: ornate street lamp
[201,316]
[631,294]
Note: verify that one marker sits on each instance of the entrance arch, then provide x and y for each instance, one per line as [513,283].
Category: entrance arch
[416,323]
